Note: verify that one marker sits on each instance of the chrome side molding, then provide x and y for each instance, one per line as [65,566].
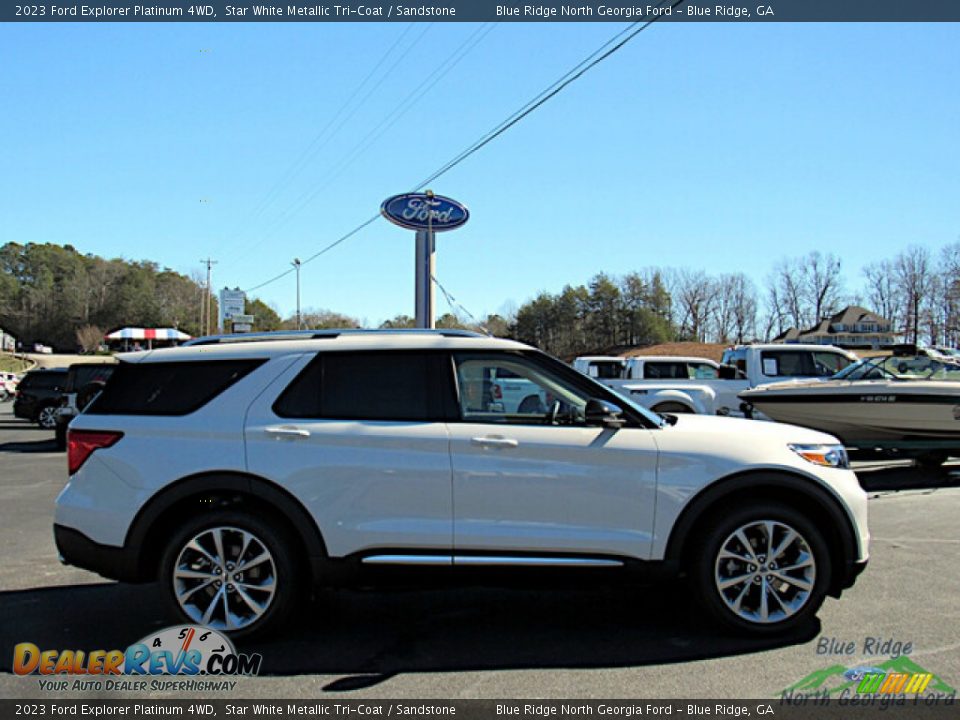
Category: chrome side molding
[490,561]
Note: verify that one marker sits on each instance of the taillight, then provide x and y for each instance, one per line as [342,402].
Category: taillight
[497,393]
[82,443]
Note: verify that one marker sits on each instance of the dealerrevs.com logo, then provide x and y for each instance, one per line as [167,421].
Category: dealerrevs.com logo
[180,650]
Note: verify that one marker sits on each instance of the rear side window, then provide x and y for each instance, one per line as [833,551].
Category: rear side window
[369,386]
[673,370]
[44,380]
[171,388]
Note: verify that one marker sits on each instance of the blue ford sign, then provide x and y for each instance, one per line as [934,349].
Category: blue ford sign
[424,211]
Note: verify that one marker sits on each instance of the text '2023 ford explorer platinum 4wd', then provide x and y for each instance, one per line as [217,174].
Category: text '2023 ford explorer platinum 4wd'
[243,474]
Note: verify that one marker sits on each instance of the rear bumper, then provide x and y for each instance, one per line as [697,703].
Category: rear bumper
[115,563]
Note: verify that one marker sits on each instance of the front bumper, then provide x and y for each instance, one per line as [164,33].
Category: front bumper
[115,563]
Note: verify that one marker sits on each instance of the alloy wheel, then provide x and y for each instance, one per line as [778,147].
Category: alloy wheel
[47,419]
[765,571]
[225,578]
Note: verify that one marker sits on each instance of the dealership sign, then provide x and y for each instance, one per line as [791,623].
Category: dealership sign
[424,211]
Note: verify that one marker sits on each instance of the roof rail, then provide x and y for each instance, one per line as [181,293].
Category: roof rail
[277,335]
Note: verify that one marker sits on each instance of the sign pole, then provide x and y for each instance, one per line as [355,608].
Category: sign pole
[427,214]
[425,264]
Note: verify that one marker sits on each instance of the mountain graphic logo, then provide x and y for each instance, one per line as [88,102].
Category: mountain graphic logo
[896,675]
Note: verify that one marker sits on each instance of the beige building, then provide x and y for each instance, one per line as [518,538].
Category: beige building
[852,327]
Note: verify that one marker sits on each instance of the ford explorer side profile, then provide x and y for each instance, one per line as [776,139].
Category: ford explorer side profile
[241,475]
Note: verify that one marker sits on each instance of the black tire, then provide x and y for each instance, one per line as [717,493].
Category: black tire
[279,606]
[60,435]
[932,460]
[530,405]
[707,569]
[47,417]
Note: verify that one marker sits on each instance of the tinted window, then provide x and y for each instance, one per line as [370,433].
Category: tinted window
[608,370]
[801,363]
[665,370]
[44,380]
[369,386]
[81,375]
[175,388]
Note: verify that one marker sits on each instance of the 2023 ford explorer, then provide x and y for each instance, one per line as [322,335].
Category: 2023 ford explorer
[241,474]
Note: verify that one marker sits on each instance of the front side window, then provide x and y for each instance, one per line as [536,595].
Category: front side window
[513,389]
[702,371]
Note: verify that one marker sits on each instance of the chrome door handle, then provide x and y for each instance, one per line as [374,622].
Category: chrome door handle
[494,442]
[287,431]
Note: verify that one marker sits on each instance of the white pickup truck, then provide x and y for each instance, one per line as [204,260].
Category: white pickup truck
[685,384]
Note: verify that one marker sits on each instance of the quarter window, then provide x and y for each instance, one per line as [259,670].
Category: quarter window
[168,388]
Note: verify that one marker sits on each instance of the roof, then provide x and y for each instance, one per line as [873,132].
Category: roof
[674,358]
[853,314]
[331,341]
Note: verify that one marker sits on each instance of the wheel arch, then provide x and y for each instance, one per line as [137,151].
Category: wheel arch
[195,494]
[794,490]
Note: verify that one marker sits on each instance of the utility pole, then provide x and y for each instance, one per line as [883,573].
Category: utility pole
[296,266]
[206,309]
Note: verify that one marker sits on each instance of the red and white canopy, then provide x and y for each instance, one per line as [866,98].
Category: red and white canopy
[135,333]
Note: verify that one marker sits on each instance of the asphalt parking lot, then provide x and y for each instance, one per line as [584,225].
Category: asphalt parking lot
[501,643]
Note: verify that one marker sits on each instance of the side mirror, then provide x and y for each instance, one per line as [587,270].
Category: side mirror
[603,414]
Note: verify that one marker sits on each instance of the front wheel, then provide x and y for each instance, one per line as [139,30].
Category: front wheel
[232,572]
[762,569]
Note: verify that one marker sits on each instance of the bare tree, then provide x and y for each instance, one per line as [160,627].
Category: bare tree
[692,292]
[914,278]
[822,284]
[89,338]
[789,282]
[881,288]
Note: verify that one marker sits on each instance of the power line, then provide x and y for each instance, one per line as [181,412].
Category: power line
[571,76]
[410,101]
[452,302]
[313,147]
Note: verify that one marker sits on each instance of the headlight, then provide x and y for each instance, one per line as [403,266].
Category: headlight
[834,456]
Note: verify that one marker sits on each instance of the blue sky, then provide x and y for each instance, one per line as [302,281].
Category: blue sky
[716,146]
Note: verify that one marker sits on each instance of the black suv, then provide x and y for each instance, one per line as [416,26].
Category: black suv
[84,381]
[38,396]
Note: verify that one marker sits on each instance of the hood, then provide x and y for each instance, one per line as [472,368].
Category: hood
[748,430]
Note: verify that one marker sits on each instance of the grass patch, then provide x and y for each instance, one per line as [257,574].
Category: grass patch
[9,363]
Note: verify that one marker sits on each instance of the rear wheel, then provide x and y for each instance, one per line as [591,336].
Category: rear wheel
[47,417]
[932,460]
[763,568]
[230,571]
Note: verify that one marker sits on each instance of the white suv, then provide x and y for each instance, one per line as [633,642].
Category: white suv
[242,474]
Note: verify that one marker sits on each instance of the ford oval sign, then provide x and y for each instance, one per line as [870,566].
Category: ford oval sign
[424,211]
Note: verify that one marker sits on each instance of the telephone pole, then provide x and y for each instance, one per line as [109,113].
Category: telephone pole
[296,265]
[206,305]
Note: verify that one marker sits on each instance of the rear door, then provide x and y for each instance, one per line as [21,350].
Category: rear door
[359,438]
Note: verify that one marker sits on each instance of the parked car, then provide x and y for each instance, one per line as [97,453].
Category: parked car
[38,396]
[8,385]
[83,382]
[286,464]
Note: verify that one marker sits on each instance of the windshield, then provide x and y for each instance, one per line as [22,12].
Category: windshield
[900,368]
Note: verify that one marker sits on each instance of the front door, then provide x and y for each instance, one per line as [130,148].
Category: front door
[538,479]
